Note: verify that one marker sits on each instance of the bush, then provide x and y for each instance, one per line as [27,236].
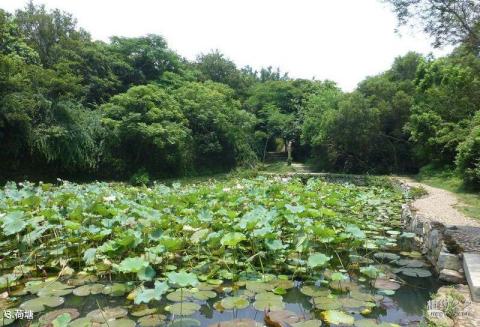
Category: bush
[468,157]
[141,177]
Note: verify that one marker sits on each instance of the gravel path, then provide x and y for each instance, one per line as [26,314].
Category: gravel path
[439,205]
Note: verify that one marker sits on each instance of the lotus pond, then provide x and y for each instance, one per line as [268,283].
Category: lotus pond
[242,252]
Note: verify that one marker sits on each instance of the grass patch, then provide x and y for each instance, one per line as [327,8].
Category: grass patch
[447,179]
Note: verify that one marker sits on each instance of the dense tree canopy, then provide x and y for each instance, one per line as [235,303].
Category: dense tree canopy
[73,107]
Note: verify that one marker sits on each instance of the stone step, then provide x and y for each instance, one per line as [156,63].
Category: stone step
[471,266]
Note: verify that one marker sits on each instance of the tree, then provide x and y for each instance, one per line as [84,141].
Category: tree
[221,131]
[447,21]
[44,30]
[149,56]
[147,129]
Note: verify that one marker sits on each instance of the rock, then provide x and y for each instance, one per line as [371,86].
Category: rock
[471,265]
[451,276]
[448,261]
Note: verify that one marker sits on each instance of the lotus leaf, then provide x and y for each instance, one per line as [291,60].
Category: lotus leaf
[414,272]
[183,308]
[86,290]
[386,284]
[146,295]
[151,320]
[204,295]
[268,301]
[335,317]
[410,263]
[41,303]
[81,322]
[47,318]
[282,318]
[107,314]
[234,302]
[317,260]
[182,279]
[315,291]
[116,289]
[386,256]
[180,295]
[132,265]
[232,239]
[326,303]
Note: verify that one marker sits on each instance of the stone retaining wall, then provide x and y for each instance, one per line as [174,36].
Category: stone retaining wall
[436,245]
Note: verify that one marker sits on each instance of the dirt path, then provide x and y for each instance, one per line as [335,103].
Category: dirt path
[440,205]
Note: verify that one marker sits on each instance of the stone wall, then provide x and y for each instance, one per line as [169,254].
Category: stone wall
[436,245]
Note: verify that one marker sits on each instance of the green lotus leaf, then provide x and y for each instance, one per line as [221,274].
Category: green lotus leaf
[183,308]
[268,301]
[355,232]
[326,303]
[106,314]
[338,276]
[81,322]
[234,302]
[145,295]
[151,320]
[370,271]
[315,291]
[13,223]
[146,274]
[180,295]
[116,289]
[343,286]
[232,239]
[386,256]
[275,245]
[47,318]
[362,296]
[54,288]
[335,317]
[89,289]
[258,287]
[62,320]
[132,265]
[183,279]
[143,310]
[41,303]
[317,260]
[349,303]
[204,295]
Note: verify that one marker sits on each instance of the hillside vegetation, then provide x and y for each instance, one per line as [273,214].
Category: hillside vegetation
[132,108]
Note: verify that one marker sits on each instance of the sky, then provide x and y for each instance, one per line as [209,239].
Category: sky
[340,40]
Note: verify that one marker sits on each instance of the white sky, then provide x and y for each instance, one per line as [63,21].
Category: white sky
[341,40]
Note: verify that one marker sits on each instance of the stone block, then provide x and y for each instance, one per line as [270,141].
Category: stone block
[471,266]
[451,276]
[448,261]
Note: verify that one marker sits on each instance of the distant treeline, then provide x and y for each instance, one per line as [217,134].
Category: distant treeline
[77,108]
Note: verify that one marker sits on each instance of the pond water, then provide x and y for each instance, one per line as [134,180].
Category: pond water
[404,307]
